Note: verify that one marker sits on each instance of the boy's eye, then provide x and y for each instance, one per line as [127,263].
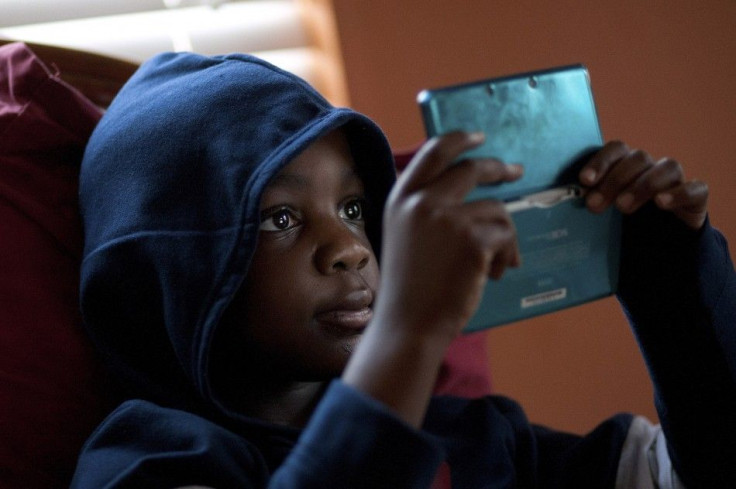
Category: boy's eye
[352,210]
[278,220]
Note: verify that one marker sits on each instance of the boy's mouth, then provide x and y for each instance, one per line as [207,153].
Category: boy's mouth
[347,320]
[349,315]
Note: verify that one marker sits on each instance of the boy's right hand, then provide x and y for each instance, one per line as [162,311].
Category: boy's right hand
[438,249]
[438,252]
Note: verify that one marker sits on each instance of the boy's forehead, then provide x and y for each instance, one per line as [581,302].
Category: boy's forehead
[302,176]
[330,153]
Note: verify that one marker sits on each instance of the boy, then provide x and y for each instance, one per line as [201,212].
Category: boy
[233,228]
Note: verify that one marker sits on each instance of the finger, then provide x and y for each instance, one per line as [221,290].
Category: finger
[688,201]
[456,181]
[487,211]
[665,174]
[434,157]
[619,175]
[504,250]
[602,161]
[494,231]
[499,250]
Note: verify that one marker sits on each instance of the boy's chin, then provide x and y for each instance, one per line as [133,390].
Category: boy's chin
[350,346]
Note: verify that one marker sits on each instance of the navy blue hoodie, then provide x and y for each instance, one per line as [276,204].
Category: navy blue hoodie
[170,195]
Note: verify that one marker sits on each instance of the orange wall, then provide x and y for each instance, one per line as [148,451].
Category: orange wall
[664,77]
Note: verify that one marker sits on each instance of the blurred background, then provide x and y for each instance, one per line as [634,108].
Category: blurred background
[663,79]
[662,74]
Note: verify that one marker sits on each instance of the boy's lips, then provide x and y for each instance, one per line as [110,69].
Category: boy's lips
[345,319]
[348,315]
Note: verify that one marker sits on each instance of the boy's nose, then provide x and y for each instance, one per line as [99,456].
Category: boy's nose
[341,249]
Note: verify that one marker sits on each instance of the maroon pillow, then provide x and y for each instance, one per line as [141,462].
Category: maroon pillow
[52,388]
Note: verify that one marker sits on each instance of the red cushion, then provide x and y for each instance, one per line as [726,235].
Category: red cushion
[52,390]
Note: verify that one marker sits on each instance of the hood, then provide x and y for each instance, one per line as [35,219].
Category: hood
[170,191]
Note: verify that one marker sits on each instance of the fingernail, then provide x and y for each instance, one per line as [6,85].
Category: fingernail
[664,199]
[588,176]
[516,169]
[595,199]
[624,201]
[476,137]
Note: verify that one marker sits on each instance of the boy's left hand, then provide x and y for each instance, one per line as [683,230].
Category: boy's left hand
[630,178]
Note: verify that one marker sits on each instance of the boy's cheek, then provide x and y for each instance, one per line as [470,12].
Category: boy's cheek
[373,275]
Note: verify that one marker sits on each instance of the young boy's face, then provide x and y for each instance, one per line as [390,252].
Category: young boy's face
[309,292]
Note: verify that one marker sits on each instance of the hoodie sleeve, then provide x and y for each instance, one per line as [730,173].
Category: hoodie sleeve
[142,446]
[383,452]
[678,288]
